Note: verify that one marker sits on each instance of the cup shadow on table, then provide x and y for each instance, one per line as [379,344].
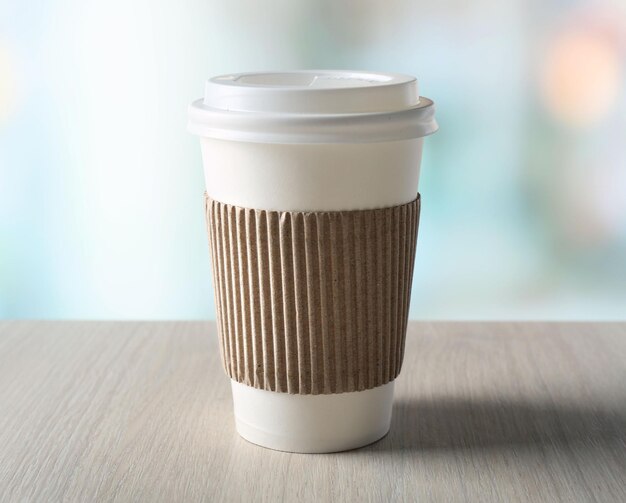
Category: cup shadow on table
[457,424]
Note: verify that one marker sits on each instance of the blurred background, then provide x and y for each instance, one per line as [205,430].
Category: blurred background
[524,186]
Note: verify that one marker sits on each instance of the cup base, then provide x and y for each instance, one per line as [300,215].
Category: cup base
[312,423]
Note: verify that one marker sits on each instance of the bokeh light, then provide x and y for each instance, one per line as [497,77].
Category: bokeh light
[582,76]
[8,83]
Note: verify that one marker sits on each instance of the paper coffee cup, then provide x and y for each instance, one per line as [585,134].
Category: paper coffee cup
[312,206]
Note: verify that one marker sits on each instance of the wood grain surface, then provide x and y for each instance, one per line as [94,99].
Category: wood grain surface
[113,411]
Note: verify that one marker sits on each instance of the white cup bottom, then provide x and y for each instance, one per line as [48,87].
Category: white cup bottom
[312,423]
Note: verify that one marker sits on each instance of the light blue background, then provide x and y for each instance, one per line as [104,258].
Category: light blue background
[524,187]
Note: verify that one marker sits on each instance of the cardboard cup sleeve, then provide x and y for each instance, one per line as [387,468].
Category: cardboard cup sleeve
[312,302]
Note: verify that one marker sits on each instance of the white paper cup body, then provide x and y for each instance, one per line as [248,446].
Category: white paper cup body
[312,177]
[296,175]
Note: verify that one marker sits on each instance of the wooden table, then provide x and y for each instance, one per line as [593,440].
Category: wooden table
[112,411]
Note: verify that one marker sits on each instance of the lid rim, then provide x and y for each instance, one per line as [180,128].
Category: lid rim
[406,124]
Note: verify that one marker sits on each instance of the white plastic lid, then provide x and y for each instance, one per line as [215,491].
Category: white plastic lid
[326,106]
